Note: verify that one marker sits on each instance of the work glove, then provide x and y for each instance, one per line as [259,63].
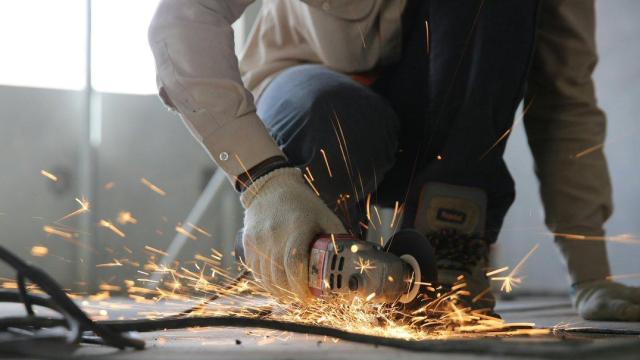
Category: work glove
[607,300]
[283,215]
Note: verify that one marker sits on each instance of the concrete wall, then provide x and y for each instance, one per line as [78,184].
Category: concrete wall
[39,129]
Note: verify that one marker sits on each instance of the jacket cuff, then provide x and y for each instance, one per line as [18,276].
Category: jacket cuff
[585,254]
[241,144]
[280,178]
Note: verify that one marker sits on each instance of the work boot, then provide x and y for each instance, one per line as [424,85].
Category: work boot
[453,219]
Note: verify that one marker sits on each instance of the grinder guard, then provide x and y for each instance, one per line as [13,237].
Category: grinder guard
[359,268]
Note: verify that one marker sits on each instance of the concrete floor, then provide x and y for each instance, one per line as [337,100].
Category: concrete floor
[236,343]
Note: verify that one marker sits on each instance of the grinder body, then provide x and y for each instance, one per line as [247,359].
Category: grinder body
[343,265]
[346,265]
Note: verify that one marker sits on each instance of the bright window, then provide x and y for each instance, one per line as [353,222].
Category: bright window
[43,43]
[121,59]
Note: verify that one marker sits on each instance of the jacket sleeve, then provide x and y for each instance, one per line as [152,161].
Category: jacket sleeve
[198,76]
[566,133]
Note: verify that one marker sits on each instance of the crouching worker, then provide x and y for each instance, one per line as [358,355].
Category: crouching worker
[408,100]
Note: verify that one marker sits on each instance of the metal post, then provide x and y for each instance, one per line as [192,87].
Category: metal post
[89,140]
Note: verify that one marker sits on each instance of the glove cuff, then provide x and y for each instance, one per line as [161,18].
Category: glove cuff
[281,178]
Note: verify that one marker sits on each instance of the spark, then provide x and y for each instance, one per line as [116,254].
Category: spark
[593,148]
[427,37]
[623,276]
[326,162]
[458,286]
[109,185]
[154,250]
[218,254]
[511,280]
[183,231]
[333,241]
[310,174]
[107,224]
[49,175]
[375,208]
[153,187]
[108,287]
[509,130]
[53,231]
[395,214]
[588,150]
[310,182]
[246,171]
[39,251]
[111,264]
[508,282]
[364,265]
[364,43]
[443,317]
[497,271]
[125,217]
[101,296]
[201,230]
[354,248]
[481,294]
[344,150]
[85,206]
[622,238]
[245,185]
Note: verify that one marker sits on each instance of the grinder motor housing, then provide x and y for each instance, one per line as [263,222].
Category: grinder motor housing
[345,265]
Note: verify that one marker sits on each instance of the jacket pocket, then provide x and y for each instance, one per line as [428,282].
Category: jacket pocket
[351,10]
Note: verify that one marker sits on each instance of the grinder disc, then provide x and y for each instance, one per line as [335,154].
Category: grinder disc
[415,249]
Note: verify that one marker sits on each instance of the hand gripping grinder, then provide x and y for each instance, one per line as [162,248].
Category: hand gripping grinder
[343,265]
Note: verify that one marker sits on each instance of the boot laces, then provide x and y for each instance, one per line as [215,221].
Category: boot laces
[456,251]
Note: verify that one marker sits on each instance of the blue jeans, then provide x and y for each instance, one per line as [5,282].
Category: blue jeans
[437,114]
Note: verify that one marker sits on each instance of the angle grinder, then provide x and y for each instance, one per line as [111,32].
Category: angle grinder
[347,266]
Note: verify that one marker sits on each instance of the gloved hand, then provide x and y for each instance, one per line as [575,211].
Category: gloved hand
[607,300]
[282,217]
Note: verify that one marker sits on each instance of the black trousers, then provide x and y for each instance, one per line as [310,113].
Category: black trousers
[442,112]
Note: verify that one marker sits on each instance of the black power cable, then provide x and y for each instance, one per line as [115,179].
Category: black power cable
[560,349]
[77,320]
